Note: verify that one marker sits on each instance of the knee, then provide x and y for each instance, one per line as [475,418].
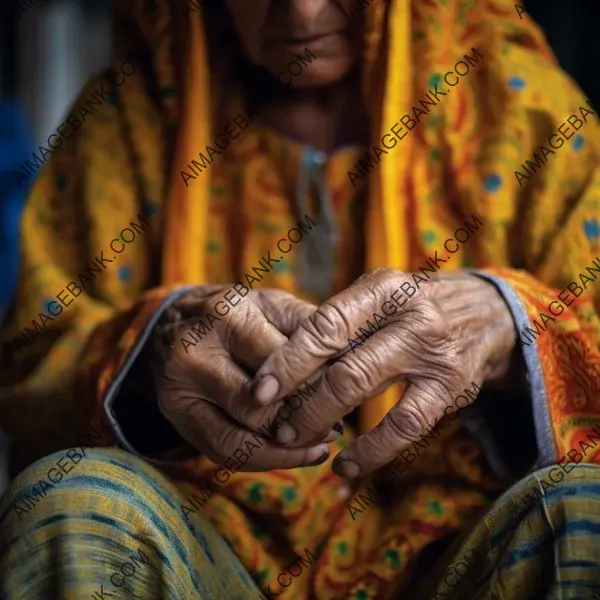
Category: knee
[566,476]
[554,488]
[66,477]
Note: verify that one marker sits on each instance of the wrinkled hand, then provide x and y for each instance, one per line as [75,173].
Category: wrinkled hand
[454,330]
[204,390]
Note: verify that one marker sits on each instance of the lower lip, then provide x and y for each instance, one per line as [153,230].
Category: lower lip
[315,44]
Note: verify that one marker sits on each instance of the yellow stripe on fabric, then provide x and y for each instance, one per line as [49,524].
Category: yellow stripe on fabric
[387,215]
[396,100]
[184,248]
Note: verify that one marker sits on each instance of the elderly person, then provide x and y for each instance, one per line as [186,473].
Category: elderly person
[272,219]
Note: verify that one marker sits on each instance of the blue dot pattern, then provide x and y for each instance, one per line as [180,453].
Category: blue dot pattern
[435,79]
[516,83]
[591,228]
[150,208]
[492,183]
[124,273]
[578,142]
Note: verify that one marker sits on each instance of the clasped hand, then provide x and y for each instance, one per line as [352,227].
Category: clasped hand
[454,330]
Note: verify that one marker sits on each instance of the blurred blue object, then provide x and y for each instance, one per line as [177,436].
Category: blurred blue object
[16,145]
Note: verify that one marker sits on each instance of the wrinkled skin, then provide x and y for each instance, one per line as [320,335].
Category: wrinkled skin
[323,105]
[205,393]
[274,32]
[454,330]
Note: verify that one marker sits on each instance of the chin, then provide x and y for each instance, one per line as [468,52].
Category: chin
[327,72]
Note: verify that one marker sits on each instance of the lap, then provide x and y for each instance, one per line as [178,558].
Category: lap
[108,522]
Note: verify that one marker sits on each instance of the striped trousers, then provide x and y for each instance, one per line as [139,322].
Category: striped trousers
[109,525]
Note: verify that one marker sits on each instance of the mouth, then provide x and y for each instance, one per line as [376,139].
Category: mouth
[297,40]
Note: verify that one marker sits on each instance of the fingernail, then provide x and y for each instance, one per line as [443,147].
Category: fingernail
[285,434]
[344,467]
[332,436]
[319,460]
[265,390]
[339,428]
[322,453]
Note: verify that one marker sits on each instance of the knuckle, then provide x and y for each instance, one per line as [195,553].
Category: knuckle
[341,390]
[309,422]
[383,273]
[374,291]
[225,440]
[325,325]
[439,323]
[425,316]
[413,343]
[446,364]
[288,364]
[349,381]
[430,337]
[243,317]
[436,394]
[384,280]
[408,422]
[174,403]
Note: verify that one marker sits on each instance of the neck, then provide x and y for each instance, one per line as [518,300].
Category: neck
[325,118]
